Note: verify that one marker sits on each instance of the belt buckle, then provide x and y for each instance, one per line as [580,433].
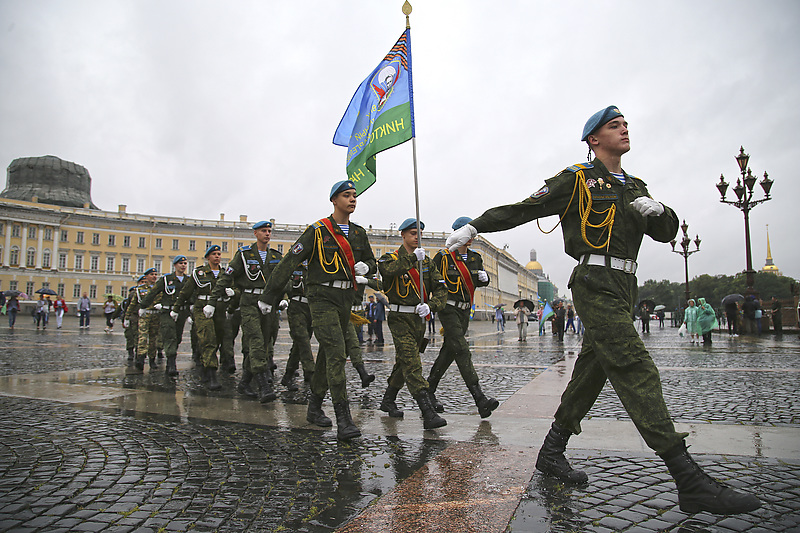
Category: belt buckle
[629,267]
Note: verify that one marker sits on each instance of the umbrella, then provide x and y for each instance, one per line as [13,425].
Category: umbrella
[649,303]
[12,292]
[557,301]
[732,299]
[524,303]
[659,307]
[48,291]
[498,306]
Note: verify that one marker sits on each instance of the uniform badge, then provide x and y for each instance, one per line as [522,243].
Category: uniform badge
[591,182]
[600,181]
[541,192]
[229,270]
[297,248]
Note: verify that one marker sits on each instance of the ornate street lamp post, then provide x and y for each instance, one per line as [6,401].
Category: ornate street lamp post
[685,252]
[744,194]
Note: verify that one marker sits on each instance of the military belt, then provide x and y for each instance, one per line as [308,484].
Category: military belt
[253,291]
[338,284]
[301,299]
[149,311]
[626,265]
[402,308]
[358,307]
[458,305]
[204,297]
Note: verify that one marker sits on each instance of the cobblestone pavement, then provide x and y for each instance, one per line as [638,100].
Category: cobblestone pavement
[67,468]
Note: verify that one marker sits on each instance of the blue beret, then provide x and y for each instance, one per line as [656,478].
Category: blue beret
[410,223]
[262,224]
[150,271]
[341,186]
[461,222]
[140,279]
[598,119]
[178,259]
[212,248]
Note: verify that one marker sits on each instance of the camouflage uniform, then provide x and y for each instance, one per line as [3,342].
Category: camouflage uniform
[132,331]
[299,317]
[604,296]
[148,326]
[165,292]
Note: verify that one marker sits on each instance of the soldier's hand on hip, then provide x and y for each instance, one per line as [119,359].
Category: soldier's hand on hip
[158,307]
[229,291]
[208,310]
[361,268]
[264,307]
[141,312]
[647,206]
[483,276]
[361,280]
[423,310]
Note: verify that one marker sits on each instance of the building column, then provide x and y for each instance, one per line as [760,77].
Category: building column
[39,248]
[56,240]
[23,252]
[7,249]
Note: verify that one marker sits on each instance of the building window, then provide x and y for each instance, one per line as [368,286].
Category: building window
[60,289]
[93,292]
[223,265]
[123,291]
[112,240]
[208,244]
[2,226]
[95,238]
[30,258]
[190,267]
[158,242]
[29,288]
[78,262]
[31,232]
[12,285]
[141,242]
[175,244]
[280,248]
[109,265]
[62,261]
[48,234]
[192,245]
[126,265]
[13,258]
[79,237]
[64,235]
[16,230]
[140,266]
[94,263]
[46,285]
[109,289]
[126,241]
[46,259]
[76,290]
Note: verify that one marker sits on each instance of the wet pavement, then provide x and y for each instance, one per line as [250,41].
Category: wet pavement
[89,445]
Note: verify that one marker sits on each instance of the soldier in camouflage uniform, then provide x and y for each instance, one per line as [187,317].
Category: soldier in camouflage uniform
[248,273]
[171,319]
[407,313]
[298,315]
[462,271]
[210,331]
[338,254]
[130,326]
[605,212]
[148,320]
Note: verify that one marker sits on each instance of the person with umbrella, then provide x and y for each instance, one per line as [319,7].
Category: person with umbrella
[521,311]
[604,214]
[731,305]
[42,313]
[645,306]
[12,307]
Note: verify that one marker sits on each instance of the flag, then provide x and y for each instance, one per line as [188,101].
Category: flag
[547,312]
[380,115]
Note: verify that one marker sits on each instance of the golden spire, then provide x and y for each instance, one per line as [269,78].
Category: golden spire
[407,12]
[770,266]
[769,250]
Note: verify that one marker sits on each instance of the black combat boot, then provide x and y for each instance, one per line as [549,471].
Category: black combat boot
[131,356]
[389,402]
[551,460]
[172,368]
[139,361]
[153,363]
[437,405]
[366,379]
[697,491]
[265,390]
[486,404]
[211,376]
[315,413]
[288,380]
[345,429]
[430,419]
[244,387]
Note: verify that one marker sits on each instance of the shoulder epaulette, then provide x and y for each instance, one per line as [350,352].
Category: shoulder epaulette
[317,224]
[579,166]
[246,247]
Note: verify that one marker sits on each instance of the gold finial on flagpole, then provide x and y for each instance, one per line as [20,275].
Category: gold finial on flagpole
[407,12]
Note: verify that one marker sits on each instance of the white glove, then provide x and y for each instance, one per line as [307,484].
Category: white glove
[460,237]
[647,206]
[173,315]
[228,315]
[229,291]
[141,312]
[208,310]
[361,280]
[283,305]
[189,320]
[483,276]
[420,254]
[423,310]
[126,323]
[158,307]
[361,268]
[265,308]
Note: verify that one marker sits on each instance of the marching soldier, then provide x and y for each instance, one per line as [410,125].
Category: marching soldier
[167,288]
[409,306]
[130,326]
[248,272]
[210,332]
[337,251]
[463,272]
[604,214]
[147,320]
[359,317]
[298,315]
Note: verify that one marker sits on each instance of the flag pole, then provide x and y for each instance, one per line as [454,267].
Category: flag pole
[407,12]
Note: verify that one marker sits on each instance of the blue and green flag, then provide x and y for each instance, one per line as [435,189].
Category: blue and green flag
[547,312]
[380,115]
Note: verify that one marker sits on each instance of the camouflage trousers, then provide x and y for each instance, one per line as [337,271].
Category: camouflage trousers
[147,344]
[408,330]
[210,333]
[353,344]
[299,317]
[612,350]
[171,332]
[330,317]
[455,348]
[257,335]
[132,333]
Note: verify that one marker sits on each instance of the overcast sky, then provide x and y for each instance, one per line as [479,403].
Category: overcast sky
[196,108]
